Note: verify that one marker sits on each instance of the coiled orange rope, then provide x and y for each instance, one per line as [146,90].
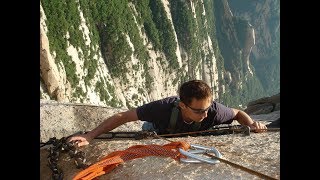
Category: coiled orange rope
[112,160]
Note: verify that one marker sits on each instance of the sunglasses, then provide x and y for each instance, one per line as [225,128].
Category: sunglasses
[198,111]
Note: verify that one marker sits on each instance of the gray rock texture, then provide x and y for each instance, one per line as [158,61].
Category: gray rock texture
[258,151]
[264,105]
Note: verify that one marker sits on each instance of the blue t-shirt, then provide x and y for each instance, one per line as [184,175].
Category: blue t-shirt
[159,113]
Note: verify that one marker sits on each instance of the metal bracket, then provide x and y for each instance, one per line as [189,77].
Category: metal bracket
[246,130]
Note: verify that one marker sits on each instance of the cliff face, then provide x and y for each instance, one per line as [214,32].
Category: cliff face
[125,53]
[130,79]
[264,17]
[236,39]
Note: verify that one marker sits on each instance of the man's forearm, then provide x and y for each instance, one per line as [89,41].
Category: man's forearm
[108,125]
[243,118]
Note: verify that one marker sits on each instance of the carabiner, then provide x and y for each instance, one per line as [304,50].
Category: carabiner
[198,149]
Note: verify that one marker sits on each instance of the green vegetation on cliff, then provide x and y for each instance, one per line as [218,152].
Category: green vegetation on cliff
[122,29]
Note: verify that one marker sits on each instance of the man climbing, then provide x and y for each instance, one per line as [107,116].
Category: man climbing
[192,110]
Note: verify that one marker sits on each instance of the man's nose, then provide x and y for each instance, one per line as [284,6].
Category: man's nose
[204,114]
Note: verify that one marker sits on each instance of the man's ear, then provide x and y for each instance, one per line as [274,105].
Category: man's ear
[182,105]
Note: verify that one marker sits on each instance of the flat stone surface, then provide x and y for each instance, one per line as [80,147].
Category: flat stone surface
[258,151]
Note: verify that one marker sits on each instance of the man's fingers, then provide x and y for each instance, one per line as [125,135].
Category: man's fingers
[73,139]
[259,127]
[82,143]
[77,138]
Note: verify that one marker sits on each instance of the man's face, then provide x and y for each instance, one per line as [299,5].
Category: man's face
[197,110]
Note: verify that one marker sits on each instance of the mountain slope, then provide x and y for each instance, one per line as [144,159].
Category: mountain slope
[123,53]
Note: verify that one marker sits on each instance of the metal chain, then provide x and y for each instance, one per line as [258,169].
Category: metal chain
[62,146]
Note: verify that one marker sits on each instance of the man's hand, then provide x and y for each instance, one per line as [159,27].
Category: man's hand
[81,140]
[258,127]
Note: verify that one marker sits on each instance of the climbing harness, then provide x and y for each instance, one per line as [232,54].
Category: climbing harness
[174,116]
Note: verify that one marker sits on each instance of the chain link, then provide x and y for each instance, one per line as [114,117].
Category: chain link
[62,146]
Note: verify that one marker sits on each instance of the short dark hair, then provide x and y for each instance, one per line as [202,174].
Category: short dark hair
[194,89]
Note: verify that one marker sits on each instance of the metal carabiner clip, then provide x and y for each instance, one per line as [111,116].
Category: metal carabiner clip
[192,156]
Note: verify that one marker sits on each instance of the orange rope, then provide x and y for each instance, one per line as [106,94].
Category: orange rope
[112,160]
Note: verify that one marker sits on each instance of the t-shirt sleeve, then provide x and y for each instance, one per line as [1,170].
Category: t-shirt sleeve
[146,112]
[225,115]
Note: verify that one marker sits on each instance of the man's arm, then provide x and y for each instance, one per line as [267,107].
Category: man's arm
[244,119]
[107,125]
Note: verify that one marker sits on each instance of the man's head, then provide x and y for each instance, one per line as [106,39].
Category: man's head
[196,98]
